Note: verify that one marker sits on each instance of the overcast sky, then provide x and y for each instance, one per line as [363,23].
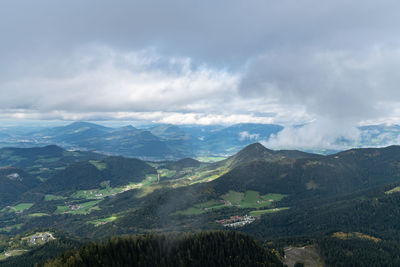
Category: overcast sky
[330,64]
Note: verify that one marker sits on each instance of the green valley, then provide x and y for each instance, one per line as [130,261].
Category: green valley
[256,190]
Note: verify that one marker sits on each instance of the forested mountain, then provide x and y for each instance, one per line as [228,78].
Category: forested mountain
[127,141]
[204,249]
[113,171]
[13,182]
[43,161]
[290,197]
[257,152]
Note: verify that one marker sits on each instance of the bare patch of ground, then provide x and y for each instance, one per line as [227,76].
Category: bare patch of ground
[307,255]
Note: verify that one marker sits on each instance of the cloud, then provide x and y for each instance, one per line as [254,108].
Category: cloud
[107,81]
[316,135]
[339,89]
[247,136]
[101,83]
[330,65]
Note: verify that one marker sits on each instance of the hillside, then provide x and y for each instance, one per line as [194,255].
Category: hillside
[289,195]
[43,162]
[257,152]
[260,187]
[127,141]
[182,164]
[203,249]
[112,171]
[13,183]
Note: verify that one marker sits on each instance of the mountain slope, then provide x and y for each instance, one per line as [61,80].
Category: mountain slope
[14,182]
[316,176]
[127,140]
[257,152]
[43,162]
[233,249]
[114,171]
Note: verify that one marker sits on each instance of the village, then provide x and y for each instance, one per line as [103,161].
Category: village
[41,238]
[237,221]
[75,207]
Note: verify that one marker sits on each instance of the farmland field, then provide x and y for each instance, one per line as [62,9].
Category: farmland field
[53,197]
[210,159]
[202,208]
[99,222]
[251,199]
[233,197]
[99,165]
[38,214]
[21,207]
[394,190]
[81,208]
[257,213]
[248,200]
[97,193]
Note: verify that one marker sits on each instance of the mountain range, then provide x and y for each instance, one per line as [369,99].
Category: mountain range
[172,142]
[159,142]
[286,197]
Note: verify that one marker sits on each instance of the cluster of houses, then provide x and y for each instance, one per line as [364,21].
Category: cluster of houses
[14,176]
[236,221]
[43,237]
[75,207]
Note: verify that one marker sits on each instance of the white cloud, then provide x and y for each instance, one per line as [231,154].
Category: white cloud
[334,64]
[315,135]
[338,89]
[108,81]
[98,82]
[248,136]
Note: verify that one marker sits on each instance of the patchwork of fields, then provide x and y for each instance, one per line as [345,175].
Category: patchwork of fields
[247,200]
[86,205]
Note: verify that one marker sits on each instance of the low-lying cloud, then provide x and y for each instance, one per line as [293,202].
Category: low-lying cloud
[339,89]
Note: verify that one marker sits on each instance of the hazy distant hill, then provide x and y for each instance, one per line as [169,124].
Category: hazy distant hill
[4,135]
[127,141]
[159,142]
[171,142]
[233,138]
[182,143]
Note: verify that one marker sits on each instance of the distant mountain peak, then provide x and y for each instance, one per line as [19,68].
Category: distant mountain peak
[128,127]
[125,128]
[81,124]
[250,153]
[255,149]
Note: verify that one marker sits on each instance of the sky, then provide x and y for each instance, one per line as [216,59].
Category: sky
[330,65]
